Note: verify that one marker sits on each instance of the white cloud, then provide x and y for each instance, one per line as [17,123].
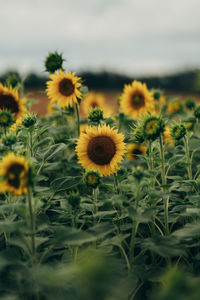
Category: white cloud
[126,35]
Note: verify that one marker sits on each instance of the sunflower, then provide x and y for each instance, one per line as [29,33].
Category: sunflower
[162,100]
[133,150]
[152,127]
[175,107]
[14,171]
[63,88]
[101,149]
[95,100]
[159,104]
[167,137]
[10,101]
[136,100]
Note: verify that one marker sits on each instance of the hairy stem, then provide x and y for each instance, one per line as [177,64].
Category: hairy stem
[78,118]
[189,168]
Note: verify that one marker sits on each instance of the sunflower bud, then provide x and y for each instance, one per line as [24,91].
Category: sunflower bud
[138,174]
[29,121]
[92,178]
[152,127]
[12,80]
[9,140]
[190,103]
[74,200]
[156,94]
[138,136]
[53,62]
[6,119]
[197,112]
[178,131]
[95,115]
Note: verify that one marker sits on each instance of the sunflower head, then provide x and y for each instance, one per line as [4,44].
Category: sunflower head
[133,150]
[10,101]
[190,103]
[95,100]
[95,115]
[167,137]
[178,131]
[175,107]
[138,136]
[136,100]
[9,140]
[162,100]
[15,173]
[152,127]
[92,178]
[64,88]
[29,120]
[157,94]
[13,80]
[101,149]
[53,62]
[6,119]
[138,173]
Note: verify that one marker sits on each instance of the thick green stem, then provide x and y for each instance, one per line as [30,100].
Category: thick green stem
[78,118]
[95,192]
[189,168]
[164,182]
[150,157]
[162,162]
[134,228]
[31,143]
[5,131]
[116,184]
[32,221]
[132,243]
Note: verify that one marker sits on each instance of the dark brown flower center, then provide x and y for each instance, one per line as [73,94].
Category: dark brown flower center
[8,102]
[66,87]
[135,153]
[137,101]
[14,173]
[101,150]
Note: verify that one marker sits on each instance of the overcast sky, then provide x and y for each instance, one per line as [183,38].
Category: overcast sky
[129,36]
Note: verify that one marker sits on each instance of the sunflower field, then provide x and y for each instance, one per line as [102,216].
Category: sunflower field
[98,202]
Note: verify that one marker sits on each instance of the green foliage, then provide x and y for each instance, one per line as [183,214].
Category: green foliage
[76,235]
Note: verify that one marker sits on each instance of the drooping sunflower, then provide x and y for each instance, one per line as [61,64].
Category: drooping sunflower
[10,101]
[14,171]
[63,88]
[95,100]
[133,150]
[101,149]
[136,100]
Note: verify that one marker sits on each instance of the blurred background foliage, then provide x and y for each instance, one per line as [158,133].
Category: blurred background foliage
[185,81]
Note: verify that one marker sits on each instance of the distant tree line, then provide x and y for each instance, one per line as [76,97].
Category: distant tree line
[188,81]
